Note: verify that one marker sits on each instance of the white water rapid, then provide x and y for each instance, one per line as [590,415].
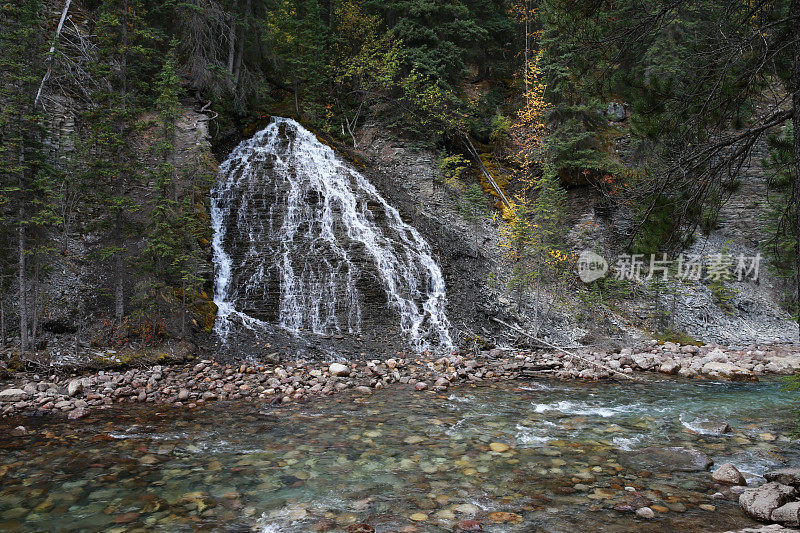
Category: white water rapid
[305,243]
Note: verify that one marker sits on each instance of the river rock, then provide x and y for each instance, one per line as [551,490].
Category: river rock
[759,503]
[785,476]
[13,395]
[713,427]
[467,525]
[19,431]
[645,512]
[727,473]
[664,459]
[75,386]
[77,413]
[339,369]
[727,371]
[669,367]
[787,514]
[421,385]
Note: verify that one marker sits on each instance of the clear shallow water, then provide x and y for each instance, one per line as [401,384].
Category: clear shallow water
[333,462]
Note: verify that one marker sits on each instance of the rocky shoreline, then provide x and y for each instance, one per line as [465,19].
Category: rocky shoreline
[278,382]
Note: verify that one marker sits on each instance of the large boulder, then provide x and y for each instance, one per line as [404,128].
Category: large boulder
[13,395]
[787,514]
[759,503]
[784,476]
[664,459]
[729,474]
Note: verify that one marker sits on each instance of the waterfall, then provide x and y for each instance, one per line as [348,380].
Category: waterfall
[305,243]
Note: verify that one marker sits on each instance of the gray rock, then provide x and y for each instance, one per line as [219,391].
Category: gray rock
[713,427]
[75,386]
[645,512]
[80,412]
[729,474]
[19,431]
[787,514]
[183,395]
[13,395]
[658,459]
[785,476]
[727,371]
[669,367]
[772,528]
[615,112]
[759,503]
[338,369]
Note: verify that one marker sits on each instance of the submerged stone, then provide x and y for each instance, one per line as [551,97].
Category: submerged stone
[665,459]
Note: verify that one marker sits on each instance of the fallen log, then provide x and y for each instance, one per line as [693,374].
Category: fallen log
[571,354]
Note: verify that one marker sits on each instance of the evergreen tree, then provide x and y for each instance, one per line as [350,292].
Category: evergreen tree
[26,189]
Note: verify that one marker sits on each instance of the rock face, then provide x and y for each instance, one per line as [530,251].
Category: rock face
[319,250]
[759,503]
[666,459]
[727,473]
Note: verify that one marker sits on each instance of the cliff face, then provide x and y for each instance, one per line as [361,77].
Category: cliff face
[73,295]
[472,258]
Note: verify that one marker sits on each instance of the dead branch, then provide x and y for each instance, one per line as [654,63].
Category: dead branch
[571,354]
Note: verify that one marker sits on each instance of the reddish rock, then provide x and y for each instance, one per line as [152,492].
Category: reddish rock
[468,525]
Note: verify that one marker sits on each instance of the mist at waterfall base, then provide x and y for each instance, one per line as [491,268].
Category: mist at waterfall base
[305,245]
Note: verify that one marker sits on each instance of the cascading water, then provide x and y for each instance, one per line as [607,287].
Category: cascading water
[303,242]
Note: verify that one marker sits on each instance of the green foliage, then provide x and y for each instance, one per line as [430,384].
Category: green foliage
[452,168]
[676,336]
[534,239]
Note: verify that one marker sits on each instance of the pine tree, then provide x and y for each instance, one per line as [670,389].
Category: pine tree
[26,186]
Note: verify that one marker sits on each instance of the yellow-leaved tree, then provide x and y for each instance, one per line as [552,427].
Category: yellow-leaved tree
[533,236]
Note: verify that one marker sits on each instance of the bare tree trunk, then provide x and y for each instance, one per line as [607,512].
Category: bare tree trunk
[3,323]
[231,44]
[35,302]
[50,54]
[119,289]
[237,69]
[23,289]
[119,292]
[795,14]
[2,312]
[183,309]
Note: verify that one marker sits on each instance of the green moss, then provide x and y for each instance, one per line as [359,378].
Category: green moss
[677,337]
